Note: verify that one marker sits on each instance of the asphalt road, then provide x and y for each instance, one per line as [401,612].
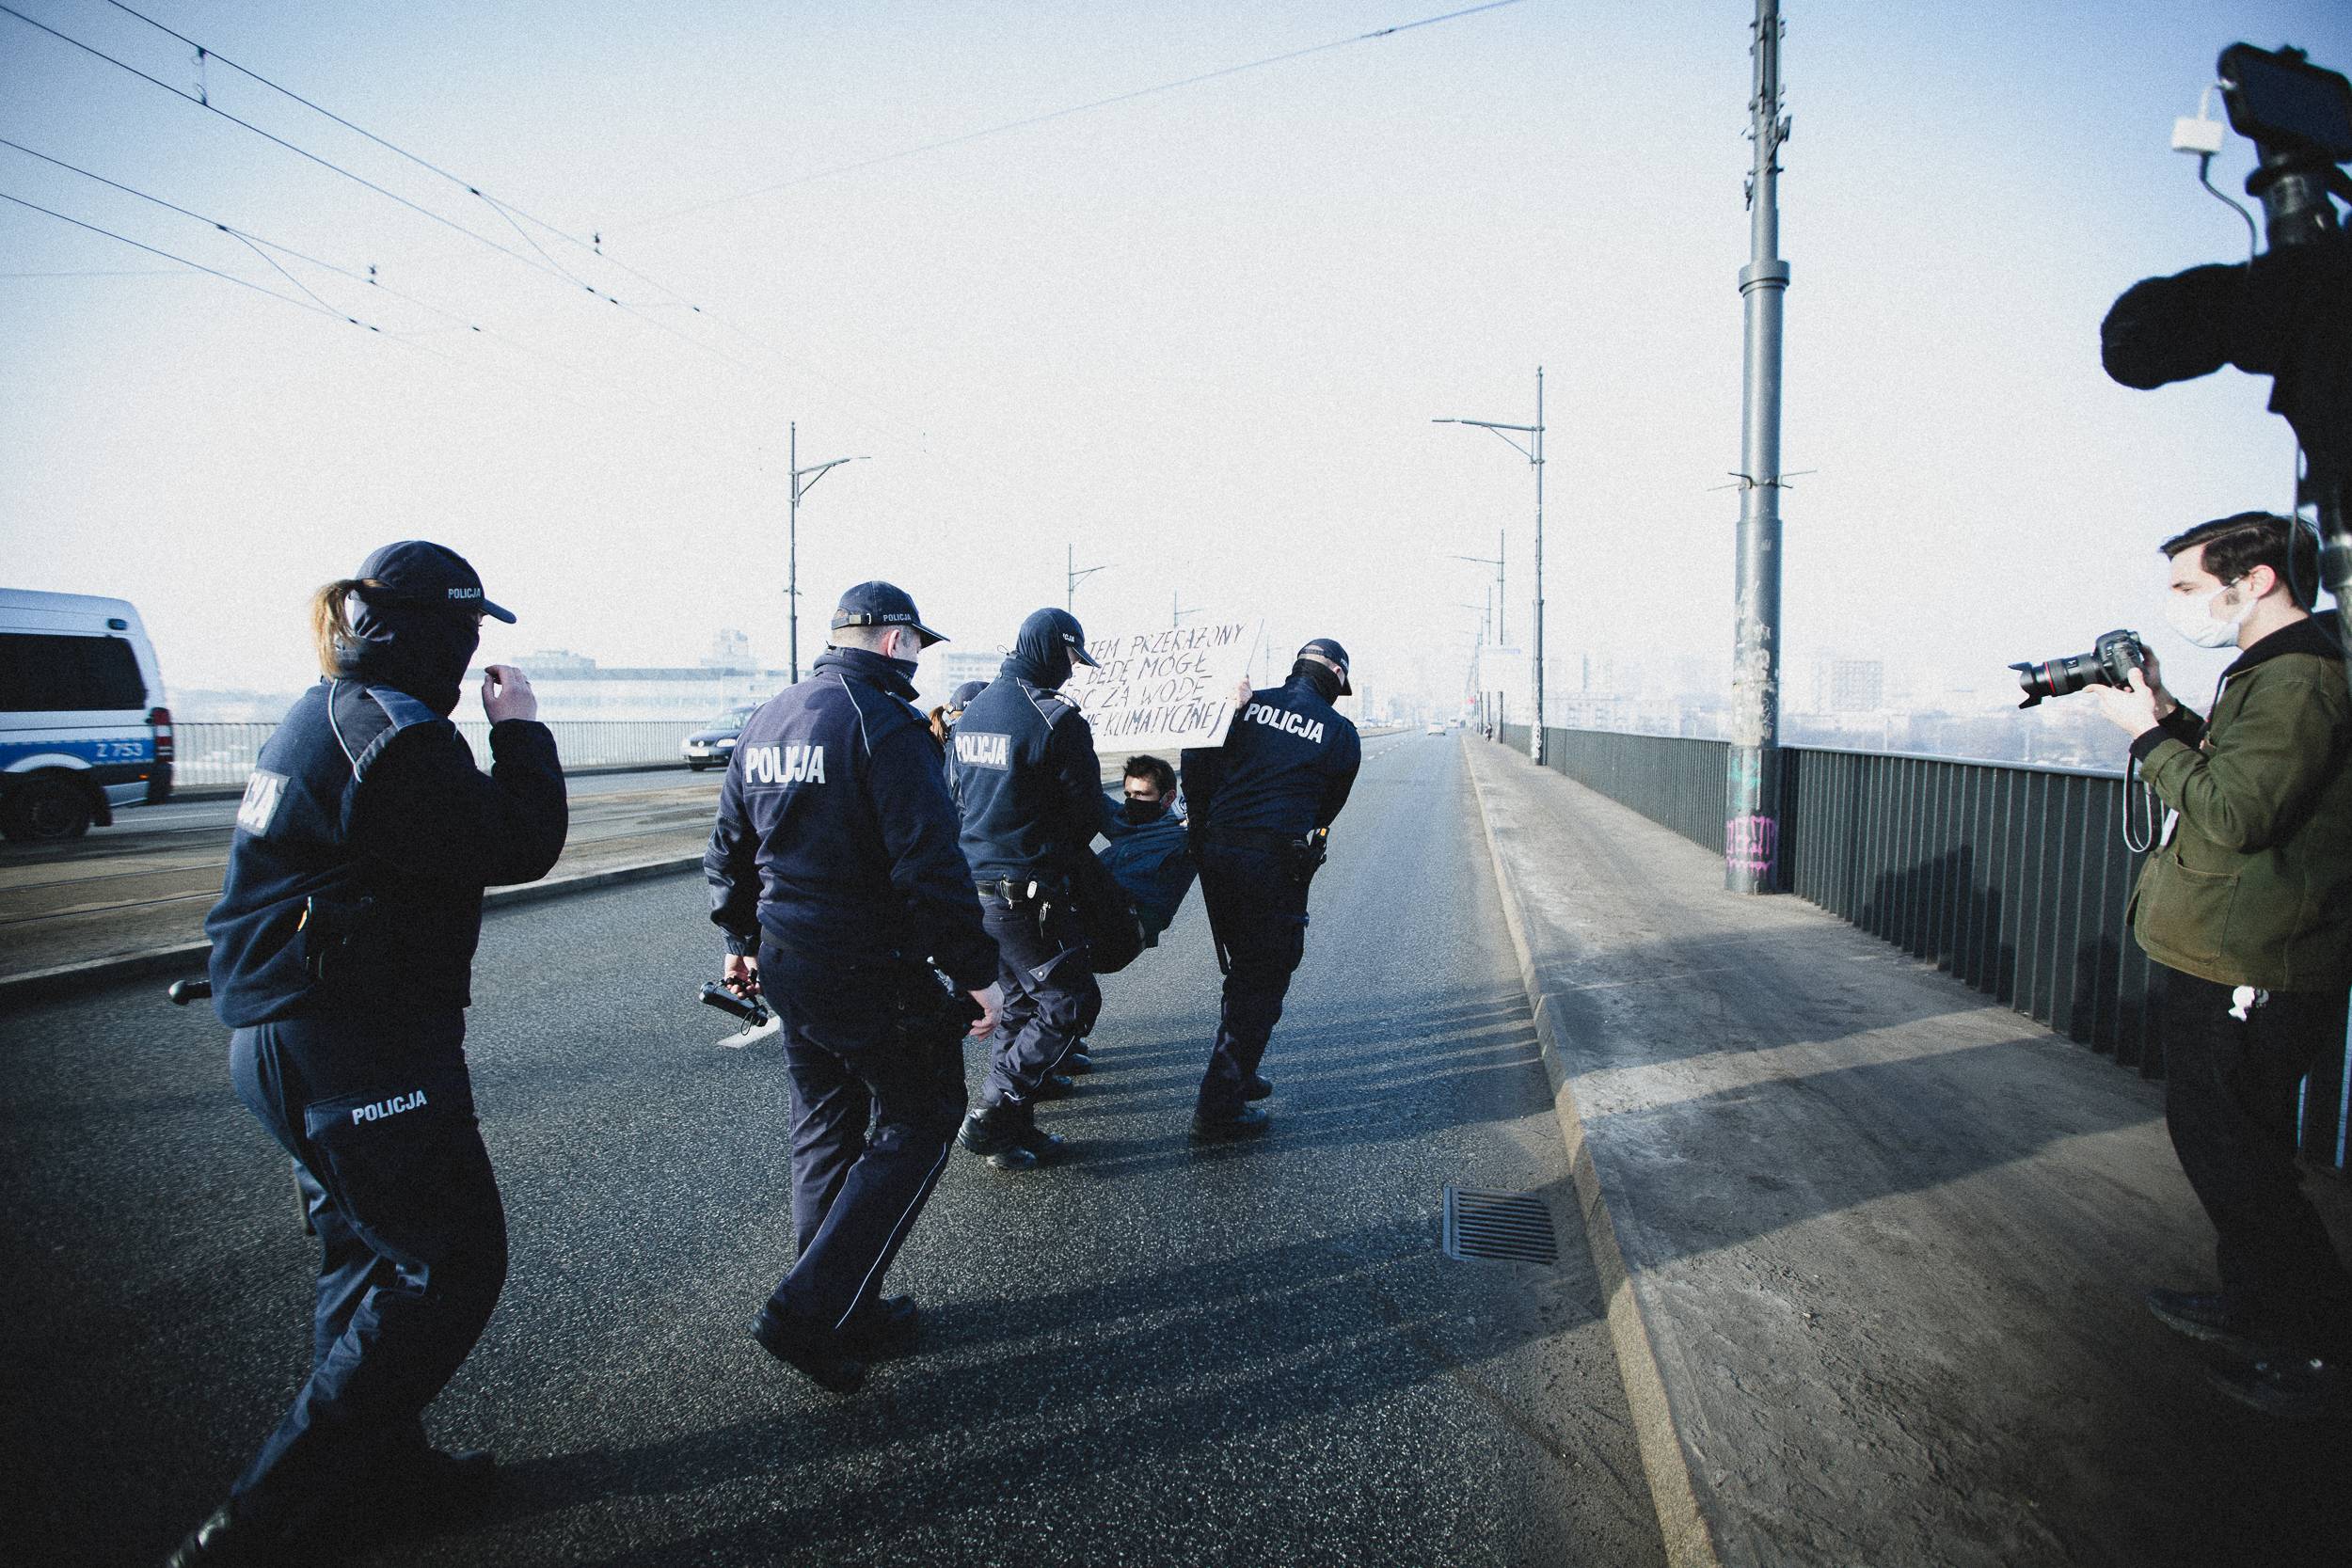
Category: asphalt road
[1148,1355]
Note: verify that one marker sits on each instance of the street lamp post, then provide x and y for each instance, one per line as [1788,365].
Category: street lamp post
[1075,574]
[792,535]
[1752,785]
[1532,450]
[1503,581]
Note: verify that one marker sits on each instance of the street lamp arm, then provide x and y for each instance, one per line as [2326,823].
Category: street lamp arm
[818,472]
[1500,430]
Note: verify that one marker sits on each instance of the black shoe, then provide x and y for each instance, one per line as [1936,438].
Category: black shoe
[811,1348]
[1054,1085]
[1077,1064]
[1256,1088]
[2210,1318]
[2293,1388]
[1248,1123]
[1041,1144]
[223,1542]
[994,1131]
[888,1325]
[439,1478]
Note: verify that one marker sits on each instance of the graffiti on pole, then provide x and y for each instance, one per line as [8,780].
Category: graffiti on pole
[1752,844]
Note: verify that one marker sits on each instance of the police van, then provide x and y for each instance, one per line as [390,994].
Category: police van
[84,730]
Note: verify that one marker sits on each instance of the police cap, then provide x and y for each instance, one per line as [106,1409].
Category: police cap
[1328,648]
[1056,629]
[432,576]
[882,604]
[961,697]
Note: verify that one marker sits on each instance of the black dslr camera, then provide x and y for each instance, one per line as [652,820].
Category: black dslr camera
[2110,662]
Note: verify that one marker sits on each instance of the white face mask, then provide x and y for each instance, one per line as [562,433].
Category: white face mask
[2194,618]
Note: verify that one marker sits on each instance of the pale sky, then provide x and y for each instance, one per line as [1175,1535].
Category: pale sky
[1201,334]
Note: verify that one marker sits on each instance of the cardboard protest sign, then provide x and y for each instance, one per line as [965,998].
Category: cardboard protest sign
[1163,690]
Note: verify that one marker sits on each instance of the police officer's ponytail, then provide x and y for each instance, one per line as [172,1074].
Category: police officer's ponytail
[330,623]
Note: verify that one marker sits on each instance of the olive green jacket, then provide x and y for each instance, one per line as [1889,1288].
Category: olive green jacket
[2253,887]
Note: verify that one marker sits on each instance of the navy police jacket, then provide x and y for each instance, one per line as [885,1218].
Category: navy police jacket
[1028,781]
[365,839]
[1286,766]
[835,836]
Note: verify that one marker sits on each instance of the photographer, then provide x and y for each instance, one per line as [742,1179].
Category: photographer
[2247,906]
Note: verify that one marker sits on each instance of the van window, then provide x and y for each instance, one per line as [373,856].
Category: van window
[40,672]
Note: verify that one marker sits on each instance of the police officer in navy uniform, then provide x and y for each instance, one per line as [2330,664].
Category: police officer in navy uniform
[835,878]
[342,948]
[1031,792]
[1260,806]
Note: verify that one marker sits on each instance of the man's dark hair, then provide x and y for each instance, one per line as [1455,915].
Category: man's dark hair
[2235,546]
[1162,777]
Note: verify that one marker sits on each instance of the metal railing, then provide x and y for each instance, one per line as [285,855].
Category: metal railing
[213,755]
[2013,878]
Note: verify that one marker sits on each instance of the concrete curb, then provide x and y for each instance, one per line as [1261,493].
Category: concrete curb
[187,959]
[1690,1543]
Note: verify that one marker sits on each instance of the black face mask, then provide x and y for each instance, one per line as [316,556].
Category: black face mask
[1325,679]
[1140,812]
[413,648]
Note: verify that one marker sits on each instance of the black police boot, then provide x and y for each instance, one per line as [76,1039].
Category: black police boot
[1041,1145]
[2291,1388]
[888,1325]
[1256,1088]
[223,1541]
[2211,1318]
[1054,1085]
[994,1132]
[1250,1121]
[1078,1063]
[810,1348]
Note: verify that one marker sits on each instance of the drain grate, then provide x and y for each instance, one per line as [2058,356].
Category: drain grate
[1512,1226]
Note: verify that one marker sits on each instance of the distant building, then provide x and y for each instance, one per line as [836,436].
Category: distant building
[729,650]
[1856,686]
[573,687]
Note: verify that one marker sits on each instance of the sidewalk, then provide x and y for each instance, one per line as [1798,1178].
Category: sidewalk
[1874,1243]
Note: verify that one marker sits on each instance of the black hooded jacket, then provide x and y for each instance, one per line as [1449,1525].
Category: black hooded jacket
[1025,774]
[367,835]
[836,837]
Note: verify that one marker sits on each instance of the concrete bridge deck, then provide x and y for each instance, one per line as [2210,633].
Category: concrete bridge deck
[1874,1246]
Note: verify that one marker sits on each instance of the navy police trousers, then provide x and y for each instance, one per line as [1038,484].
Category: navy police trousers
[379,1114]
[1257,908]
[874,1112]
[1051,996]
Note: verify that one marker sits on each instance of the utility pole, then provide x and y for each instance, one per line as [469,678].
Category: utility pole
[1076,575]
[792,546]
[1501,589]
[1532,450]
[1752,784]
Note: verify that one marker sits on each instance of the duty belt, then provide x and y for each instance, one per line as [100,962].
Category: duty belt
[1021,890]
[1248,838]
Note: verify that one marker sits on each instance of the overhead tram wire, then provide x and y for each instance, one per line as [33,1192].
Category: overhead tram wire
[299,151]
[262,247]
[509,212]
[320,309]
[540,267]
[1056,114]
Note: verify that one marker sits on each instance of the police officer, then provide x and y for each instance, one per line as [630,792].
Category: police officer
[342,948]
[835,877]
[1260,808]
[1031,792]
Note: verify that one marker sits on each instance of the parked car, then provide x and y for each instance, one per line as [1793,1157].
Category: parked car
[84,730]
[714,745]
[1437,727]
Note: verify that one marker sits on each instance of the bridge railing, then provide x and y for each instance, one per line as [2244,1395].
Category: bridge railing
[2016,879]
[216,755]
